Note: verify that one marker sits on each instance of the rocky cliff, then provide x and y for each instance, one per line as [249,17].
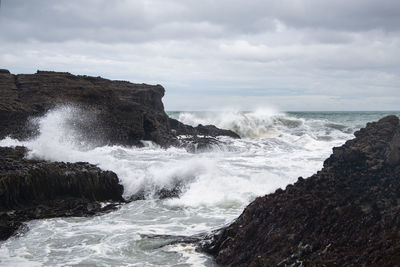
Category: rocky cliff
[34,189]
[348,214]
[119,112]
[123,112]
[110,112]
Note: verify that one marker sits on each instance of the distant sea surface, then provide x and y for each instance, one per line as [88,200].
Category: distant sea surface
[276,148]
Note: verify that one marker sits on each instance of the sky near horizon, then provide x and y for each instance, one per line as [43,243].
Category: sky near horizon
[218,54]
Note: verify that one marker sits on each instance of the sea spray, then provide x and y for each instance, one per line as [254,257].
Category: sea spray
[221,174]
[216,186]
[266,123]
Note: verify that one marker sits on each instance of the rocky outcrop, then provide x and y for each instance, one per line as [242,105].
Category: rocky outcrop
[179,128]
[199,138]
[125,112]
[110,112]
[118,112]
[348,214]
[34,189]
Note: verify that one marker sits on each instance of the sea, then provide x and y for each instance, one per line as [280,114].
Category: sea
[274,150]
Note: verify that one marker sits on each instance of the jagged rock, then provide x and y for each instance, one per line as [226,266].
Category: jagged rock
[199,138]
[34,189]
[206,130]
[348,214]
[211,130]
[174,190]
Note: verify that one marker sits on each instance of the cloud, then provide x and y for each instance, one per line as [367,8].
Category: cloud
[297,52]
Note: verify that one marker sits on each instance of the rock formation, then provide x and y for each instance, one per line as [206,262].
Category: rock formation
[199,138]
[126,112]
[348,214]
[110,112]
[120,112]
[34,189]
[206,130]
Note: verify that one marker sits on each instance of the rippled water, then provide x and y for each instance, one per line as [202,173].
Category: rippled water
[275,149]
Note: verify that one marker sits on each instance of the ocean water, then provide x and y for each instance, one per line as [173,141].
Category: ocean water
[276,148]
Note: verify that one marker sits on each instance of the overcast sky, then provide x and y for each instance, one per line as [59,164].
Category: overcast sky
[215,54]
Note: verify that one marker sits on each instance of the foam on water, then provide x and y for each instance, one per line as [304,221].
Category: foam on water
[217,185]
[266,123]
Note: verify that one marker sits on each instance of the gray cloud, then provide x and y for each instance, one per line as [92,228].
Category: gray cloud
[336,51]
[117,21]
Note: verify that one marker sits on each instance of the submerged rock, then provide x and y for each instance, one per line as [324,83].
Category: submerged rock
[35,189]
[346,214]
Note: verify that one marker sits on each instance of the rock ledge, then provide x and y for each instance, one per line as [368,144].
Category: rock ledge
[31,189]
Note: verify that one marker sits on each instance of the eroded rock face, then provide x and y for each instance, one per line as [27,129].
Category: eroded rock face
[347,213]
[31,189]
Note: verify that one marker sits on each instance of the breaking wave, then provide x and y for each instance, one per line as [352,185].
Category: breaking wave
[274,142]
[266,123]
[215,185]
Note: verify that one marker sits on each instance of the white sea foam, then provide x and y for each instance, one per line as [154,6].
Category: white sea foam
[253,166]
[266,123]
[246,124]
[217,185]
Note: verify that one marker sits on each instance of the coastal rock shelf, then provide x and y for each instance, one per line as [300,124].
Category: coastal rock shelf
[348,213]
[35,189]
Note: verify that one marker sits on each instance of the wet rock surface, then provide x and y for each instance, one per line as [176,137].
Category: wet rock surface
[348,214]
[205,130]
[35,189]
[199,138]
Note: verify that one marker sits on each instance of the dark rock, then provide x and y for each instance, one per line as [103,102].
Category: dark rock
[208,130]
[33,189]
[348,214]
[8,226]
[172,191]
[125,112]
[195,143]
[179,128]
[110,112]
[199,138]
[116,112]
[211,130]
